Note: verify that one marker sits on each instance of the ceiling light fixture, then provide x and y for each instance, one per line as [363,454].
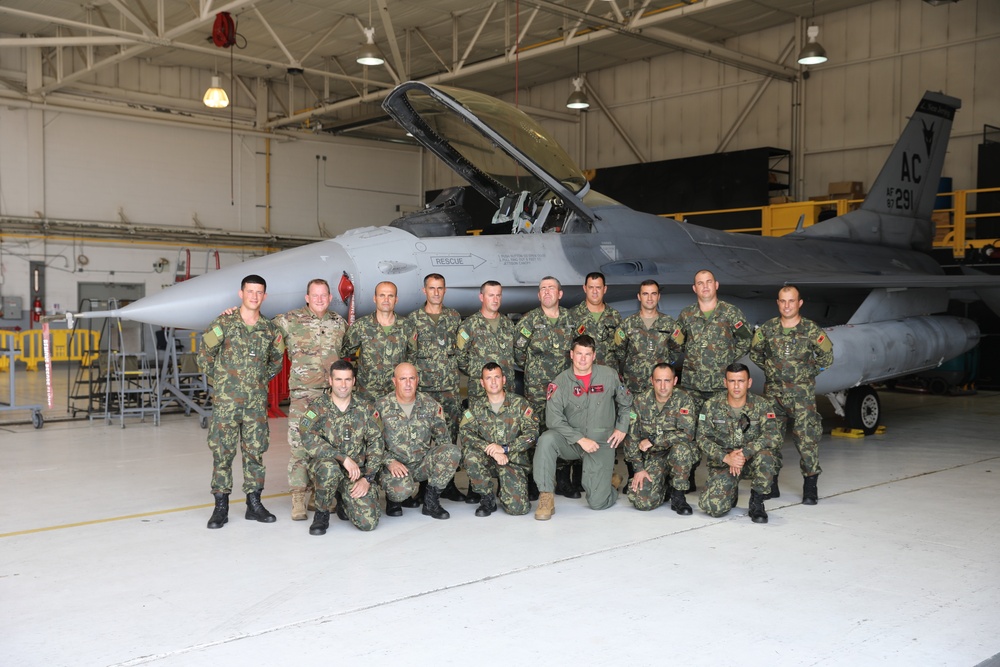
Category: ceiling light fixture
[813,52]
[578,98]
[215,97]
[369,53]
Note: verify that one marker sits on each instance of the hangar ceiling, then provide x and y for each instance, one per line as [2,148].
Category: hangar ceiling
[71,52]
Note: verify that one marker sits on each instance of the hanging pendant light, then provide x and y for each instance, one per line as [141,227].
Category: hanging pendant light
[813,52]
[578,98]
[369,53]
[215,97]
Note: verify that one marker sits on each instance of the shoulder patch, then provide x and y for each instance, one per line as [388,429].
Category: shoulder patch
[632,415]
[310,414]
[770,415]
[526,332]
[701,417]
[528,412]
[678,336]
[551,389]
[217,330]
[582,329]
[684,411]
[824,343]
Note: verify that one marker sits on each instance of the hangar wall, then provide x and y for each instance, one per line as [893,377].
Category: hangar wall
[883,56]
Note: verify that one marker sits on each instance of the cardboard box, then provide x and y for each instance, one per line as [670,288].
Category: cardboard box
[846,190]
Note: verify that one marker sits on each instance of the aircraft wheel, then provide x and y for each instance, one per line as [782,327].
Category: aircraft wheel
[863,409]
[938,387]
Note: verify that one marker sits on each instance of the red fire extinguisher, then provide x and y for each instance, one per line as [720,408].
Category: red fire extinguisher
[36,310]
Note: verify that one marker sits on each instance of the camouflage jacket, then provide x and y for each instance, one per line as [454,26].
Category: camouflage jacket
[313,344]
[515,427]
[408,440]
[435,354]
[711,342]
[672,423]
[542,348]
[240,361]
[720,431]
[356,433]
[575,412]
[602,331]
[478,344]
[376,352]
[791,356]
[643,348]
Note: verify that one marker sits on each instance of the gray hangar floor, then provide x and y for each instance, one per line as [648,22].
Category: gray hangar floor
[105,560]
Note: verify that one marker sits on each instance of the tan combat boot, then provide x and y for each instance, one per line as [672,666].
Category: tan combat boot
[546,506]
[299,506]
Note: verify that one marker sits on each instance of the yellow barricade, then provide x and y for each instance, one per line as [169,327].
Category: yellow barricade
[66,345]
[8,340]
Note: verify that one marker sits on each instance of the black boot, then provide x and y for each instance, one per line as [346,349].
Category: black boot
[692,487]
[256,511]
[679,503]
[775,492]
[451,492]
[341,510]
[810,496]
[472,498]
[413,501]
[487,506]
[432,503]
[321,521]
[532,489]
[220,515]
[392,508]
[576,474]
[564,483]
[757,513]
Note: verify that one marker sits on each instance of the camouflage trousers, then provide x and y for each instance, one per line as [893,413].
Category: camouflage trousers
[331,479]
[512,479]
[796,412]
[677,463]
[597,468]
[436,468]
[451,401]
[298,477]
[226,435]
[721,488]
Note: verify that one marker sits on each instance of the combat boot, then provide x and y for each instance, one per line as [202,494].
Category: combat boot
[679,503]
[341,510]
[564,483]
[415,501]
[775,492]
[256,511]
[487,506]
[451,492]
[432,503]
[810,495]
[546,506]
[757,513]
[220,515]
[576,474]
[692,487]
[299,512]
[532,489]
[472,498]
[616,481]
[321,521]
[392,508]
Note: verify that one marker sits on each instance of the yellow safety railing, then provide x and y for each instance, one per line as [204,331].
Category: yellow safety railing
[779,219]
[65,346]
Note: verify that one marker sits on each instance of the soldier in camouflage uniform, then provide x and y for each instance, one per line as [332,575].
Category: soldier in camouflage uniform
[378,342]
[587,417]
[497,432]
[417,445]
[661,445]
[485,336]
[792,351]
[542,343]
[436,358]
[738,433]
[645,339]
[313,336]
[240,353]
[598,320]
[344,451]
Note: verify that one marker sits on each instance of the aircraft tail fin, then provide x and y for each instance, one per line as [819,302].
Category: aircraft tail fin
[897,210]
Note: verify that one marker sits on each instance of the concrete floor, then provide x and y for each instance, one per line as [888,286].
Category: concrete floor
[105,560]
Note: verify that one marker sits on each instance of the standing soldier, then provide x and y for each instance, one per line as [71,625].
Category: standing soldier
[661,445]
[436,358]
[738,433]
[417,445]
[313,336]
[485,336]
[792,351]
[497,432]
[377,343]
[598,320]
[342,442]
[542,343]
[646,338]
[240,353]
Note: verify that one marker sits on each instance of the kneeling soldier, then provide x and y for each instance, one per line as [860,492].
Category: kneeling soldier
[497,431]
[342,440]
[661,441]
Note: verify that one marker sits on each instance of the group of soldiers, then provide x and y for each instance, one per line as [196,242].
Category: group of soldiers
[376,406]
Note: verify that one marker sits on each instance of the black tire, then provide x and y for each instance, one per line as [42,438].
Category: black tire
[203,422]
[863,409]
[938,386]
[37,420]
